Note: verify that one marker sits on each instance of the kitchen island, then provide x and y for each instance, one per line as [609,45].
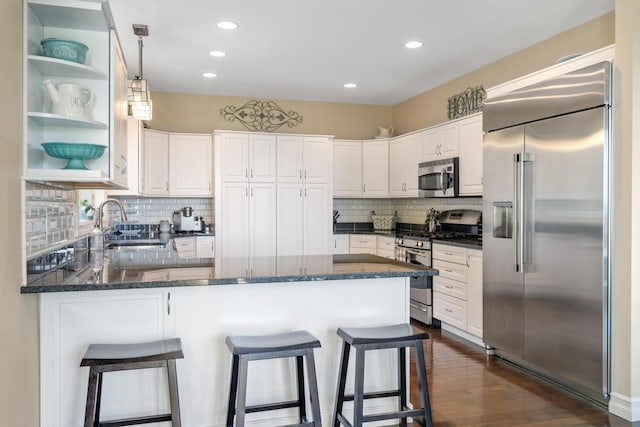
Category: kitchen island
[128,299]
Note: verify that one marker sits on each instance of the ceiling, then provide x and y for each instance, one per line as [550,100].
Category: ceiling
[308,49]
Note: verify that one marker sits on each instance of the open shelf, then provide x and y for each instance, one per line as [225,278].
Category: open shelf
[56,120]
[77,14]
[72,178]
[59,67]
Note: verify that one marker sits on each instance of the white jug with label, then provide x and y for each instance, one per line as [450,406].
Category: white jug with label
[69,99]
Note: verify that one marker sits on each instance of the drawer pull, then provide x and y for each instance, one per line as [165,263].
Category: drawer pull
[448,287]
[448,271]
[448,311]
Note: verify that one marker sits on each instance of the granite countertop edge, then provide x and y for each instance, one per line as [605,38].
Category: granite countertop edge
[37,289]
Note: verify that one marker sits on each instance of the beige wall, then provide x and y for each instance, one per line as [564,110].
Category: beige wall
[430,108]
[626,194]
[19,403]
[181,112]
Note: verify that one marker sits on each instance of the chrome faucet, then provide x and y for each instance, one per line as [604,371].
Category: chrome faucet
[100,214]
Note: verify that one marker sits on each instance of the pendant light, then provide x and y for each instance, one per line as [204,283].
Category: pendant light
[138,93]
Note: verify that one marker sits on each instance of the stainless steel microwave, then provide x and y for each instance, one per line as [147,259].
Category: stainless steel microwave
[438,178]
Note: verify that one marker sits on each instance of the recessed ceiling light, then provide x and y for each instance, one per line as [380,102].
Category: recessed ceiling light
[227,25]
[217,53]
[209,75]
[413,44]
[350,85]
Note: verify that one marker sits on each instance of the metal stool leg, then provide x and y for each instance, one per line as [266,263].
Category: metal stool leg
[342,380]
[402,382]
[243,367]
[313,388]
[302,410]
[173,393]
[233,392]
[92,395]
[358,395]
[422,381]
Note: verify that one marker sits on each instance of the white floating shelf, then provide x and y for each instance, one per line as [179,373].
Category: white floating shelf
[77,14]
[73,178]
[59,67]
[56,120]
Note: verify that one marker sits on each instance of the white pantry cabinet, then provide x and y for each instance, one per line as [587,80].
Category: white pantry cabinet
[361,168]
[404,152]
[470,136]
[177,164]
[104,74]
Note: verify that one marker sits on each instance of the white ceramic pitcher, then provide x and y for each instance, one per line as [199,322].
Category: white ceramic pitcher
[384,132]
[69,99]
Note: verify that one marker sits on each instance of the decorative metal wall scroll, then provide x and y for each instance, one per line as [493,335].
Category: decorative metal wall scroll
[465,103]
[261,115]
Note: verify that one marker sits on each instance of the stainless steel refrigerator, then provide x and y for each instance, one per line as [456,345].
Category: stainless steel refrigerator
[545,228]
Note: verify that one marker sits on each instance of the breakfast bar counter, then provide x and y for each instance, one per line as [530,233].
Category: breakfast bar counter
[202,301]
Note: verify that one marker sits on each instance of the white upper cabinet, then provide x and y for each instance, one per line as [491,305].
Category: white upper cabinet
[289,153]
[177,164]
[317,157]
[440,142]
[375,168]
[156,163]
[347,168]
[361,168]
[262,158]
[470,134]
[190,165]
[100,83]
[404,154]
[247,157]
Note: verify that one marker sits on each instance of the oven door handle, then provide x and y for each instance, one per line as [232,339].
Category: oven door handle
[417,252]
[418,307]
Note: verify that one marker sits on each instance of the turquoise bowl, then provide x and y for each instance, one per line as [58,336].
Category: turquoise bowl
[73,152]
[64,49]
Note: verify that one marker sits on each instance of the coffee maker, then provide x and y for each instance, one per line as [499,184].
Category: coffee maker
[183,220]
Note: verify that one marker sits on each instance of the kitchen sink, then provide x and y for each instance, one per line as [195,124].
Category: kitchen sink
[153,244]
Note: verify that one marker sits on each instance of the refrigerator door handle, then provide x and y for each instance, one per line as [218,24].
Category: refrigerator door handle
[526,219]
[517,208]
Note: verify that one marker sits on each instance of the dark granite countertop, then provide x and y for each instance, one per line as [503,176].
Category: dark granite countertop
[129,267]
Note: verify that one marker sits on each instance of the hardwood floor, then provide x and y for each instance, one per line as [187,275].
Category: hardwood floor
[468,388]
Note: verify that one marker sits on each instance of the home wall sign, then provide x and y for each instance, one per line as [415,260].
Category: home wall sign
[464,103]
[261,116]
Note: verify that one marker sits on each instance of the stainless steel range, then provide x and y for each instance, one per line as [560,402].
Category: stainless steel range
[414,247]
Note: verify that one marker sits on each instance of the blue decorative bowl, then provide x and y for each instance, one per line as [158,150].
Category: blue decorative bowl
[73,152]
[64,49]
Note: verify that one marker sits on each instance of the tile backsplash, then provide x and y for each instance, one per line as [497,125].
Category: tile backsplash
[151,210]
[50,216]
[412,211]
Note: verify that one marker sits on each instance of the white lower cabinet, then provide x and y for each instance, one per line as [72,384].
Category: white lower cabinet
[340,244]
[69,322]
[457,290]
[205,246]
[363,244]
[386,247]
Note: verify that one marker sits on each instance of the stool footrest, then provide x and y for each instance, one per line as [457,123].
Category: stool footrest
[393,415]
[272,406]
[374,395]
[136,421]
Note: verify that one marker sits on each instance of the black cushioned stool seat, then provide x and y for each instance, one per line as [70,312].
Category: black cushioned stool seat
[298,344]
[394,336]
[121,357]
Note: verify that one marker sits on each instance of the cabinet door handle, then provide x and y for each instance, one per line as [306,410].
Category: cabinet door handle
[251,191]
[246,173]
[166,185]
[168,303]
[364,188]
[251,172]
[305,174]
[301,192]
[305,192]
[209,186]
[300,173]
[246,192]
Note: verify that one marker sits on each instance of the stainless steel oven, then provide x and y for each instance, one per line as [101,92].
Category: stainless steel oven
[415,250]
[438,178]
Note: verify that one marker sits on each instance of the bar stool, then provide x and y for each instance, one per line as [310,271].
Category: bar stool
[121,357]
[298,344]
[395,336]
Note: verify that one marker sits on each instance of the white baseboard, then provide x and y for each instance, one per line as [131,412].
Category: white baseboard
[462,334]
[625,407]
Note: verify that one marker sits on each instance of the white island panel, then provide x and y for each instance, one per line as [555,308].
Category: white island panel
[202,317]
